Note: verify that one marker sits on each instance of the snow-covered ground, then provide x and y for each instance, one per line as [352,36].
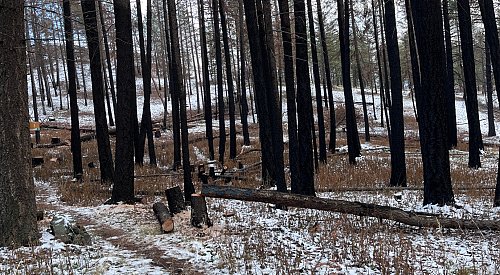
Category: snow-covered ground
[259,239]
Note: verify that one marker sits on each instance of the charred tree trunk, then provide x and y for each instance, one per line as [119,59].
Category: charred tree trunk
[397,143]
[489,92]
[229,81]
[108,57]
[126,119]
[451,116]
[317,85]
[360,75]
[430,92]
[328,77]
[475,139]
[207,104]
[220,84]
[353,145]
[293,143]
[177,80]
[103,144]
[76,146]
[243,88]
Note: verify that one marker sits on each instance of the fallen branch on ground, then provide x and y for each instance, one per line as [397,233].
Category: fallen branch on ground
[347,207]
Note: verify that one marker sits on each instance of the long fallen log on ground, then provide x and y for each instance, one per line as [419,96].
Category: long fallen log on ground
[347,207]
[396,188]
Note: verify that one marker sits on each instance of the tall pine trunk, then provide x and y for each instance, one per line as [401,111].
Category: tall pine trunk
[397,143]
[467,44]
[103,144]
[76,146]
[451,116]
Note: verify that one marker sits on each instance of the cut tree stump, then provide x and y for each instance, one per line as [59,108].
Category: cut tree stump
[199,213]
[36,161]
[175,200]
[164,217]
[55,140]
[347,207]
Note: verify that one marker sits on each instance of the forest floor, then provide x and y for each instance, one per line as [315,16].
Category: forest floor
[256,238]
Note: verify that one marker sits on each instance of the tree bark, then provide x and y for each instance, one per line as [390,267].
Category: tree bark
[220,84]
[347,207]
[475,139]
[489,92]
[163,216]
[207,104]
[17,191]
[76,146]
[103,144]
[243,87]
[451,116]
[126,119]
[328,77]
[430,92]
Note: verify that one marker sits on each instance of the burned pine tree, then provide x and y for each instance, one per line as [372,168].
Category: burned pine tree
[430,93]
[102,135]
[76,146]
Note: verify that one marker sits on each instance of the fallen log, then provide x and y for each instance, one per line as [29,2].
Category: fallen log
[347,207]
[164,217]
[397,188]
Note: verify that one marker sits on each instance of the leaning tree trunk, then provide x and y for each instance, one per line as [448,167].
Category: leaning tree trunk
[76,146]
[17,191]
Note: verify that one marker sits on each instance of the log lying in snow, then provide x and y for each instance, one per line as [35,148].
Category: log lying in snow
[175,200]
[164,217]
[347,207]
[396,188]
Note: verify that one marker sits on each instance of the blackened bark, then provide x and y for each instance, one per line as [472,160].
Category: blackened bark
[103,145]
[17,192]
[475,139]
[397,144]
[326,61]
[491,32]
[360,75]
[317,85]
[489,92]
[272,174]
[108,57]
[220,88]
[229,82]
[293,143]
[243,88]
[207,104]
[431,95]
[304,102]
[353,145]
[176,75]
[76,146]
[451,116]
[123,189]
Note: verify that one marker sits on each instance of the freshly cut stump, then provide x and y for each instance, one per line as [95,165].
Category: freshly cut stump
[199,214]
[164,217]
[175,200]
